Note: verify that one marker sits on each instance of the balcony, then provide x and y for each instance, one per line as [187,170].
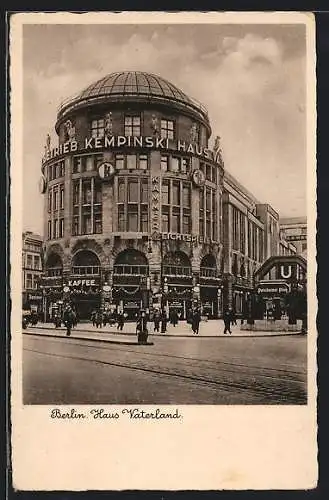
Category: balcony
[177,271]
[208,272]
[127,270]
[85,270]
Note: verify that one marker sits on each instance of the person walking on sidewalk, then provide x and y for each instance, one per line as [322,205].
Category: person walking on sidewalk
[121,321]
[196,318]
[163,321]
[68,320]
[156,320]
[227,321]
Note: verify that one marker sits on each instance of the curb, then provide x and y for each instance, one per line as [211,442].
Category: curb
[76,337]
[166,335]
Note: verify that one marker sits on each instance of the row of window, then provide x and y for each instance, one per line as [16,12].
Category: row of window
[56,171]
[87,207]
[32,262]
[56,198]
[30,281]
[133,127]
[208,213]
[31,247]
[55,228]
[255,236]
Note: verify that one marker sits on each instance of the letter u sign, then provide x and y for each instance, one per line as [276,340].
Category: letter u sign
[285,271]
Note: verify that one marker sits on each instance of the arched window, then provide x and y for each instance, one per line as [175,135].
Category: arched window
[176,264]
[85,262]
[54,265]
[131,261]
[208,268]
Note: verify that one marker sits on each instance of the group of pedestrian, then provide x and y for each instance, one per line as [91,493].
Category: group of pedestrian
[100,319]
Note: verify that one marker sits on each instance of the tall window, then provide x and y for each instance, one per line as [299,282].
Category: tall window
[49,230]
[208,213]
[97,128]
[87,208]
[131,162]
[176,206]
[61,197]
[61,228]
[132,126]
[50,200]
[179,165]
[167,129]
[242,232]
[119,162]
[55,207]
[133,203]
[235,227]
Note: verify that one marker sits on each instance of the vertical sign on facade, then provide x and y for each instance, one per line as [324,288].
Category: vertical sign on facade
[155,205]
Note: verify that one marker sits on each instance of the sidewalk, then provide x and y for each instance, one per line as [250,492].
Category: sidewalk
[211,328]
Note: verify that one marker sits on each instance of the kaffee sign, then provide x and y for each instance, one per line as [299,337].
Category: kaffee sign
[120,141]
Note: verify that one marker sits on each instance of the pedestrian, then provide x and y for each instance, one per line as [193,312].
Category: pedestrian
[121,321]
[68,320]
[196,318]
[227,321]
[163,321]
[173,317]
[93,317]
[99,319]
[156,320]
[141,327]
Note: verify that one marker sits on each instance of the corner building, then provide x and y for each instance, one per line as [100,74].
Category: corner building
[133,200]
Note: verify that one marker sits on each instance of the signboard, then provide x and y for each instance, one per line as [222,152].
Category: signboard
[82,282]
[273,288]
[189,238]
[297,237]
[115,142]
[106,171]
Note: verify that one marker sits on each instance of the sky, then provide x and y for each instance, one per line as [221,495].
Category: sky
[251,78]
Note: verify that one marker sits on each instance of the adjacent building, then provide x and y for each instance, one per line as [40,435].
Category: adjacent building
[32,270]
[294,231]
[139,211]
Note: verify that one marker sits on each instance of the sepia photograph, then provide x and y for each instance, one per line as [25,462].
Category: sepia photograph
[166,249]
[166,194]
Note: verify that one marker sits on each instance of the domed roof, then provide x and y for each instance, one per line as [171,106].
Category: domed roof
[133,84]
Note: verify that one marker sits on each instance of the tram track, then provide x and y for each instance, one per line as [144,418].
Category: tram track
[263,385]
[229,366]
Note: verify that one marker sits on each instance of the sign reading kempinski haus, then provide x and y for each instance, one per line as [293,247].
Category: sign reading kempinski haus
[96,143]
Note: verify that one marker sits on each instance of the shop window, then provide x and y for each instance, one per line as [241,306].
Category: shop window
[131,162]
[119,162]
[164,163]
[167,129]
[97,128]
[132,126]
